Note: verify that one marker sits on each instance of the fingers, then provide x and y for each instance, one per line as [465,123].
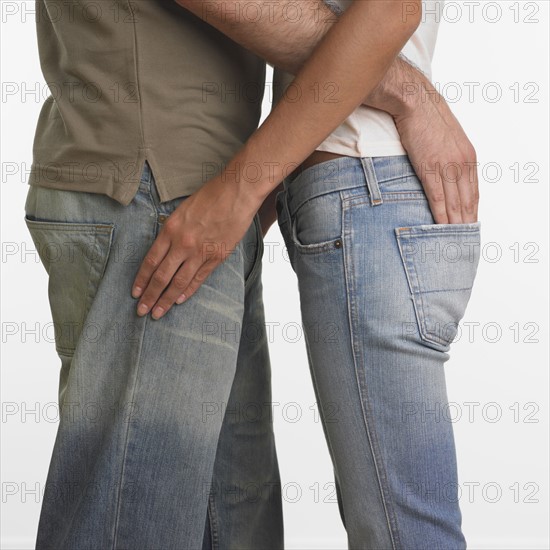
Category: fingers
[435,193]
[450,175]
[150,264]
[462,194]
[452,192]
[159,281]
[172,271]
[468,188]
[156,271]
[187,280]
[170,278]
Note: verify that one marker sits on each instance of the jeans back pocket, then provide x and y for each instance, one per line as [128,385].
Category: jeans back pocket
[440,261]
[75,256]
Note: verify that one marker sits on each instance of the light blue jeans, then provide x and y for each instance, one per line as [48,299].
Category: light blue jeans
[160,445]
[382,289]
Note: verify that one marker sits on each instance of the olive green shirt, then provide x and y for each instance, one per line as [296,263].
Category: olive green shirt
[132,81]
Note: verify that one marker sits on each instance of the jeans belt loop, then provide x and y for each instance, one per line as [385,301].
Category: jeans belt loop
[372,181]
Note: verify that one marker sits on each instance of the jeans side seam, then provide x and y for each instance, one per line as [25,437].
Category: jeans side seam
[321,414]
[213,523]
[378,467]
[122,469]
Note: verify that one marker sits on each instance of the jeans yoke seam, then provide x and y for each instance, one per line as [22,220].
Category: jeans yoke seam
[394,196]
[369,429]
[411,198]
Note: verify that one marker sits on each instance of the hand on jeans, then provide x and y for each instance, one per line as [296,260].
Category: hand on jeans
[444,159]
[198,236]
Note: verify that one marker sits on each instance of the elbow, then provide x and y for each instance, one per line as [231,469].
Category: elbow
[194,6]
[210,11]
[403,16]
[411,15]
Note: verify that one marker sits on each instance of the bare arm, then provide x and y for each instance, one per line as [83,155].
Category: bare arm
[285,33]
[356,53]
[285,37]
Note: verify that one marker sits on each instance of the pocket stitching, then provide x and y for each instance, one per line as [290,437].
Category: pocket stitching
[423,316]
[314,248]
[70,226]
[421,328]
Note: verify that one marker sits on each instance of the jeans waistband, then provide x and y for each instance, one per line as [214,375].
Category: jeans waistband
[346,173]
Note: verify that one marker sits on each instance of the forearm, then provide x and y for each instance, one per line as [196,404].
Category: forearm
[274,31]
[268,211]
[402,90]
[355,54]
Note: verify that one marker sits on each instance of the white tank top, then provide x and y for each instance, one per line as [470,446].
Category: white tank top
[369,132]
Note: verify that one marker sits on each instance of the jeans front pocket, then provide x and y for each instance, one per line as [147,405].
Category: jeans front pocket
[75,256]
[316,224]
[440,262]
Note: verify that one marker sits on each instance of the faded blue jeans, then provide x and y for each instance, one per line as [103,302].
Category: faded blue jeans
[382,289]
[156,448]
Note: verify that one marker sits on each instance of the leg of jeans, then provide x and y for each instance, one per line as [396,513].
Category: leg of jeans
[245,507]
[325,418]
[132,449]
[392,447]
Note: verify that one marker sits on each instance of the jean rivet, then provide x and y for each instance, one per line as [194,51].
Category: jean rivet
[338,243]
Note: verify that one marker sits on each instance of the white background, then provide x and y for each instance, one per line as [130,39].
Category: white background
[497,377]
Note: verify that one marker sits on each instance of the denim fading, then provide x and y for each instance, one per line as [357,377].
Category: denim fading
[145,456]
[382,290]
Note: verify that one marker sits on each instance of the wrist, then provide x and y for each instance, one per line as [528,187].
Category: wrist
[232,190]
[252,177]
[403,91]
